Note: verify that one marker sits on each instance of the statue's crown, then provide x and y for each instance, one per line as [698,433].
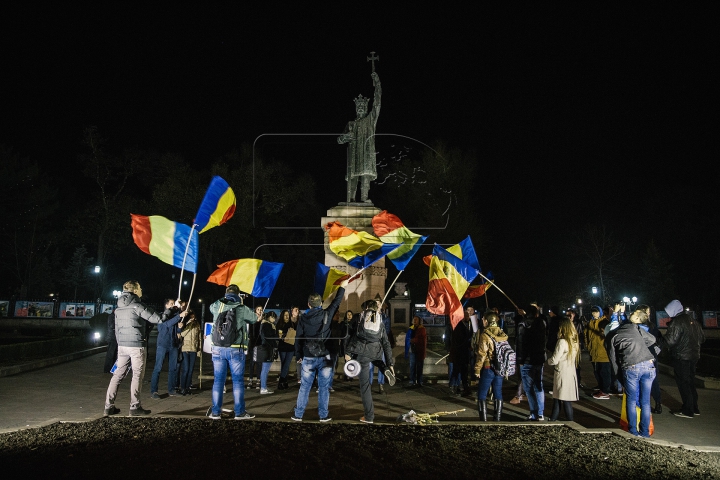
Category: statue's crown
[360,100]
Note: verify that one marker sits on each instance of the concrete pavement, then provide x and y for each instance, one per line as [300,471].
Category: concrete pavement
[74,391]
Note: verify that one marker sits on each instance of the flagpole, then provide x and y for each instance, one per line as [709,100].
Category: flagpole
[182,268]
[192,289]
[499,289]
[391,285]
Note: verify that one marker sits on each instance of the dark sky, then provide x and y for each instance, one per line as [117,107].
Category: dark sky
[575,114]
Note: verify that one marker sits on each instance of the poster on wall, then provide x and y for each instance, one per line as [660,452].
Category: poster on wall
[4,307]
[107,308]
[69,310]
[710,319]
[662,318]
[34,309]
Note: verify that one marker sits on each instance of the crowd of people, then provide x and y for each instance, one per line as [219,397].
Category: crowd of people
[623,351]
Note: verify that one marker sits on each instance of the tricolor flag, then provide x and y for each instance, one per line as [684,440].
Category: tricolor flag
[217,207]
[465,251]
[390,229]
[475,291]
[253,276]
[449,278]
[359,249]
[327,279]
[166,240]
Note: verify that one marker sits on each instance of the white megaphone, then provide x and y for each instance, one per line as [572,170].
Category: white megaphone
[352,368]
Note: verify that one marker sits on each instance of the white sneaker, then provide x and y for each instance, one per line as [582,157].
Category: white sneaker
[265,391]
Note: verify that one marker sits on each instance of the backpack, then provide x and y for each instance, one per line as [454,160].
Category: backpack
[225,330]
[503,362]
[372,325]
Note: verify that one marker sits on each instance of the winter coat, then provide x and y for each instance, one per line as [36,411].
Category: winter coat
[631,344]
[268,341]
[371,344]
[131,318]
[243,317]
[565,385]
[485,349]
[192,340]
[311,324]
[460,343]
[595,339]
[285,326]
[683,337]
[418,341]
[167,331]
[531,337]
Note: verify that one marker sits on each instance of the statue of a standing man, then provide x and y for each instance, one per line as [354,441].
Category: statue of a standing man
[360,134]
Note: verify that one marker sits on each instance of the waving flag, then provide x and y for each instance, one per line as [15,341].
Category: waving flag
[253,276]
[465,251]
[449,278]
[359,249]
[327,279]
[217,207]
[475,291]
[390,229]
[166,240]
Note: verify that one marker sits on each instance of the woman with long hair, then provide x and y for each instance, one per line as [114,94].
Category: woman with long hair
[191,347]
[286,346]
[565,358]
[266,348]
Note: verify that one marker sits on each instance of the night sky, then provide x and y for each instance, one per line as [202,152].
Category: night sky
[575,116]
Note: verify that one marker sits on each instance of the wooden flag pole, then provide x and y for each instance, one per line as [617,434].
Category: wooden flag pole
[388,292]
[499,289]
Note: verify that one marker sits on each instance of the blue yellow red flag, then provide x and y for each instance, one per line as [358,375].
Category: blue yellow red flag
[360,249]
[253,276]
[328,279]
[217,207]
[449,278]
[166,240]
[390,229]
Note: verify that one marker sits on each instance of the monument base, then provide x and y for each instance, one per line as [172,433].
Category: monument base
[371,284]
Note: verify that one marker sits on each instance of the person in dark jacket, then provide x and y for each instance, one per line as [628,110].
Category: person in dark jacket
[131,317]
[112,348]
[683,338]
[368,344]
[531,359]
[315,324]
[266,349]
[167,345]
[653,329]
[416,348]
[286,346]
[460,349]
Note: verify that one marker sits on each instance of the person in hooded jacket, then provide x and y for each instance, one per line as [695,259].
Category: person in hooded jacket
[683,338]
[484,354]
[131,317]
[415,350]
[531,357]
[595,342]
[367,344]
[314,326]
[167,346]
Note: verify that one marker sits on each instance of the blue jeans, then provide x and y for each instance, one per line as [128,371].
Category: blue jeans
[172,368]
[532,383]
[188,365]
[235,357]
[264,374]
[638,383]
[416,369]
[489,377]
[310,367]
[285,360]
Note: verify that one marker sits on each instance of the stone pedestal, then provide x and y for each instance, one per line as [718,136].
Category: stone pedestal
[371,284]
[400,307]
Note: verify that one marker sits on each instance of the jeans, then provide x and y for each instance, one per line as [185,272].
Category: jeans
[222,357]
[488,377]
[285,361]
[188,365]
[602,375]
[172,354]
[381,375]
[366,369]
[638,383]
[532,383]
[416,369]
[311,366]
[264,374]
[685,379]
[128,356]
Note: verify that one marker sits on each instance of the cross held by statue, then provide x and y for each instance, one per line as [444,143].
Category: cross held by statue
[372,59]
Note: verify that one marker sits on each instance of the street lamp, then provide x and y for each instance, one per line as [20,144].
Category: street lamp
[97,268]
[594,290]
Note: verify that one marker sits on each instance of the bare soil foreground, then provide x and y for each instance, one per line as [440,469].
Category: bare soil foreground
[125,448]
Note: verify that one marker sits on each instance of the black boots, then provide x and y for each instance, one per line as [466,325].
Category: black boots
[498,410]
[282,383]
[482,410]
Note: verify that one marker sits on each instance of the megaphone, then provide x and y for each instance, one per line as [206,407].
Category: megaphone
[352,368]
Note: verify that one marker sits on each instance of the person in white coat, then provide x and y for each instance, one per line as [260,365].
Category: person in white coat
[565,359]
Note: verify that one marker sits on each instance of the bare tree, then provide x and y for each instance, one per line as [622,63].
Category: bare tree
[598,254]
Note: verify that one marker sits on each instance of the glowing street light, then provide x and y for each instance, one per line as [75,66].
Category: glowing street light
[594,290]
